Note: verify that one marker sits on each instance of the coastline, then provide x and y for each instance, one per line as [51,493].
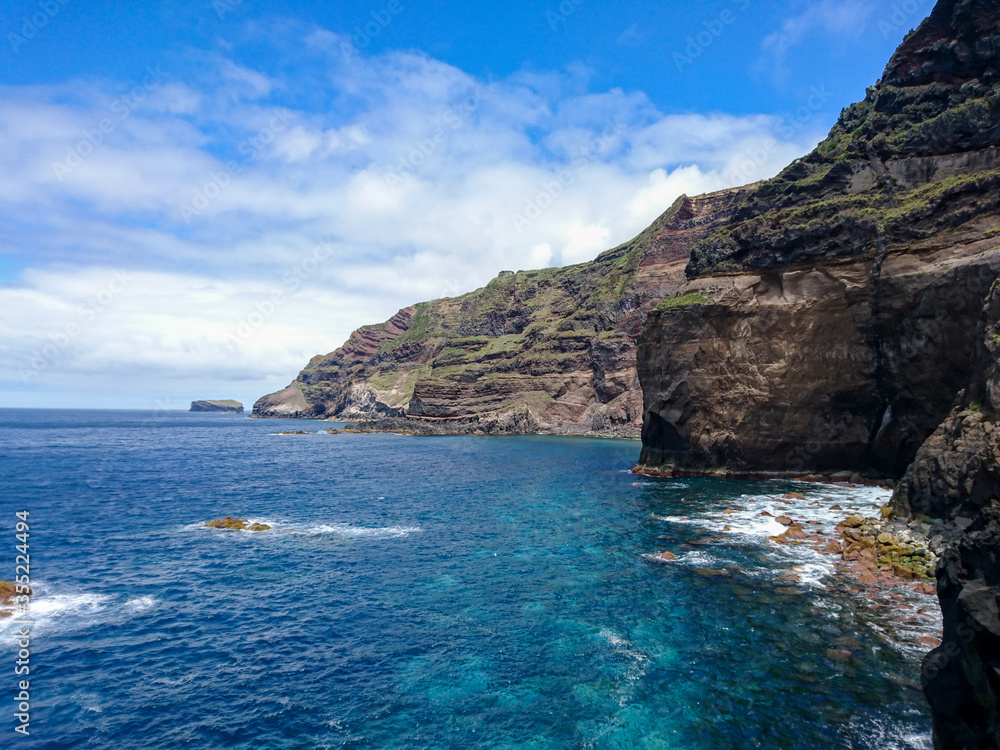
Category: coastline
[812,531]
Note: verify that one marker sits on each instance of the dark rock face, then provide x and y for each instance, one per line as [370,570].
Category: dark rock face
[843,295]
[533,351]
[814,369]
[227,407]
[848,318]
[955,481]
[961,677]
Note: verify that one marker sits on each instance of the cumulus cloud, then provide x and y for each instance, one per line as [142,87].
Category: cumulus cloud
[212,190]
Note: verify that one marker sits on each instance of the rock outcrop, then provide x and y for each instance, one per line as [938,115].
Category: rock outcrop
[227,407]
[533,351]
[828,324]
[236,524]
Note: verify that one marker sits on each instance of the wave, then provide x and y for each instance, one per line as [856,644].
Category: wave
[48,611]
[283,527]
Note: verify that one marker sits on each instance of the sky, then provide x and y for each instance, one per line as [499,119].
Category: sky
[198,197]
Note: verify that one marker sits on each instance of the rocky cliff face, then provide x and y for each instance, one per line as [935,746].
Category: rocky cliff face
[534,351]
[847,316]
[829,322]
[954,482]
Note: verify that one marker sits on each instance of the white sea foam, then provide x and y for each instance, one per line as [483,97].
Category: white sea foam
[697,559]
[47,610]
[285,527]
[677,519]
[636,662]
[360,531]
[141,604]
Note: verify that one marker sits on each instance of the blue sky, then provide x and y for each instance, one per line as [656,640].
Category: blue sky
[196,197]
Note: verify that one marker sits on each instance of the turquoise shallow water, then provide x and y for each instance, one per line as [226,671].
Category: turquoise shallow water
[451,592]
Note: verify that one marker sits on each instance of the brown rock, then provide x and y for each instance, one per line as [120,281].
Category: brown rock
[784,520]
[765,514]
[929,641]
[925,589]
[668,556]
[8,591]
[794,496]
[228,523]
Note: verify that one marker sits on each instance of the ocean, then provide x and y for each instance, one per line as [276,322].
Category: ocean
[428,592]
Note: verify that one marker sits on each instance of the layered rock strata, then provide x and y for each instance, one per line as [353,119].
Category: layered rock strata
[828,324]
[533,351]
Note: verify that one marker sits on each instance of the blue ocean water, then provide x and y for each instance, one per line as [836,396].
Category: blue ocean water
[444,592]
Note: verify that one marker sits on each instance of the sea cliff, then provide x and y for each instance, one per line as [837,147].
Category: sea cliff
[533,351]
[831,318]
[846,317]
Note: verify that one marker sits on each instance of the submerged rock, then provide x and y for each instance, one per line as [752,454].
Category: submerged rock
[840,654]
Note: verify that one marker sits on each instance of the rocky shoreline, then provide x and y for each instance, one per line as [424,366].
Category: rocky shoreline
[884,565]
[477,426]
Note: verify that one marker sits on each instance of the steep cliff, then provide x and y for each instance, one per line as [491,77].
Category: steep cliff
[828,324]
[955,483]
[533,351]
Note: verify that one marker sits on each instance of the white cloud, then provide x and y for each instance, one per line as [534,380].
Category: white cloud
[213,192]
